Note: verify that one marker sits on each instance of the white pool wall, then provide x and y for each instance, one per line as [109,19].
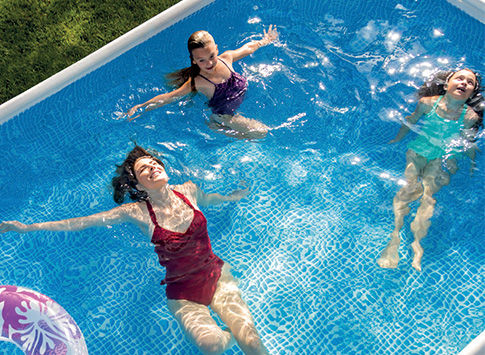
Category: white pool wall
[476,347]
[100,57]
[184,8]
[474,8]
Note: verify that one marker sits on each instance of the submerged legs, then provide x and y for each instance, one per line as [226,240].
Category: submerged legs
[199,327]
[202,330]
[434,178]
[390,256]
[410,192]
[234,312]
[238,126]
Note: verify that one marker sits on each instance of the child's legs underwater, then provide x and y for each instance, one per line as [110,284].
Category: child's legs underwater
[234,312]
[239,126]
[434,178]
[415,165]
[199,326]
[408,193]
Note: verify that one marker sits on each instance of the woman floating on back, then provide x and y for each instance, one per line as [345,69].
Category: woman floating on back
[196,278]
[213,75]
[448,127]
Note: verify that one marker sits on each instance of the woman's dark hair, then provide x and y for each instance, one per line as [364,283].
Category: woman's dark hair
[436,86]
[125,180]
[196,40]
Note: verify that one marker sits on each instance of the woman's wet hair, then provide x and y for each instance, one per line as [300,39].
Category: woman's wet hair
[436,86]
[125,180]
[196,40]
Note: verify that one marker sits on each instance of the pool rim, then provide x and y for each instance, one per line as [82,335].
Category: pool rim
[100,57]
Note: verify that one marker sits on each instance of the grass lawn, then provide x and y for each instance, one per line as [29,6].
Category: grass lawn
[39,38]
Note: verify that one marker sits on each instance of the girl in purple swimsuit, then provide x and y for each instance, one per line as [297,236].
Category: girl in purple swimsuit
[213,75]
[195,277]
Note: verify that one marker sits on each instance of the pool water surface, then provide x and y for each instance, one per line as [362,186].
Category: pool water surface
[304,243]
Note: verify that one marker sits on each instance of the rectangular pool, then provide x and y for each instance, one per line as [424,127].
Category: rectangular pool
[304,243]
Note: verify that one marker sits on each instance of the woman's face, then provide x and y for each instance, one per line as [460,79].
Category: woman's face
[150,174]
[461,84]
[206,57]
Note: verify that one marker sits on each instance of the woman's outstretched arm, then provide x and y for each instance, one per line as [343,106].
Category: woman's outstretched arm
[193,192]
[205,199]
[114,216]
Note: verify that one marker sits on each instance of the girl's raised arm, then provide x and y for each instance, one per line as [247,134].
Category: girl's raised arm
[268,37]
[469,134]
[114,216]
[160,100]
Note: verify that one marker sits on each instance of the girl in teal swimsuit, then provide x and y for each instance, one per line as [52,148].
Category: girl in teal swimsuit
[446,119]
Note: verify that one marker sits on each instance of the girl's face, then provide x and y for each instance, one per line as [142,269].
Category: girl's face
[206,57]
[461,84]
[150,174]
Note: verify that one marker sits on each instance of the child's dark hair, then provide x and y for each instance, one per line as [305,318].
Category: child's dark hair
[436,86]
[125,180]
[196,40]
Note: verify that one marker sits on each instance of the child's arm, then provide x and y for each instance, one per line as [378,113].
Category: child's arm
[420,110]
[114,216]
[469,133]
[160,100]
[249,48]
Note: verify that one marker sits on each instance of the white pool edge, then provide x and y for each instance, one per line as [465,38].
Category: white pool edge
[100,57]
[476,347]
[474,8]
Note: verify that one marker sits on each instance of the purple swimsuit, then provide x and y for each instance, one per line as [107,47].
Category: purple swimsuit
[229,94]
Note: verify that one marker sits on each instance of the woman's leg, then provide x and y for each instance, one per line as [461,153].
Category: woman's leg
[434,178]
[239,126]
[410,192]
[199,327]
[234,312]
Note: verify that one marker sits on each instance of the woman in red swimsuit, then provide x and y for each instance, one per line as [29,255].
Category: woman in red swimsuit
[213,75]
[195,277]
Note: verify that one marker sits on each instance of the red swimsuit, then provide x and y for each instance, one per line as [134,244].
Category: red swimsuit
[192,269]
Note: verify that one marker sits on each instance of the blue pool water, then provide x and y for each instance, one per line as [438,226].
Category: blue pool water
[304,244]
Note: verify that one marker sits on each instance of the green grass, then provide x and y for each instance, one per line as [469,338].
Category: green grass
[39,38]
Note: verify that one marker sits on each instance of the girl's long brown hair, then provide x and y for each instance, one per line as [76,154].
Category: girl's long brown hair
[196,40]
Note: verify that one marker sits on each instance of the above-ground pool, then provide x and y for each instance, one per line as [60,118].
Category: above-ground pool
[304,243]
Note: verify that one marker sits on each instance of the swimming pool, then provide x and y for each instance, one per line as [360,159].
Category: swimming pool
[304,243]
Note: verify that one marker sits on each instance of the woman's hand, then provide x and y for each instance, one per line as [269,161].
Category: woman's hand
[238,194]
[269,36]
[13,226]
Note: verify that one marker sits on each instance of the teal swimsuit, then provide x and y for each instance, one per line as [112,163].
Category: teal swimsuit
[436,134]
